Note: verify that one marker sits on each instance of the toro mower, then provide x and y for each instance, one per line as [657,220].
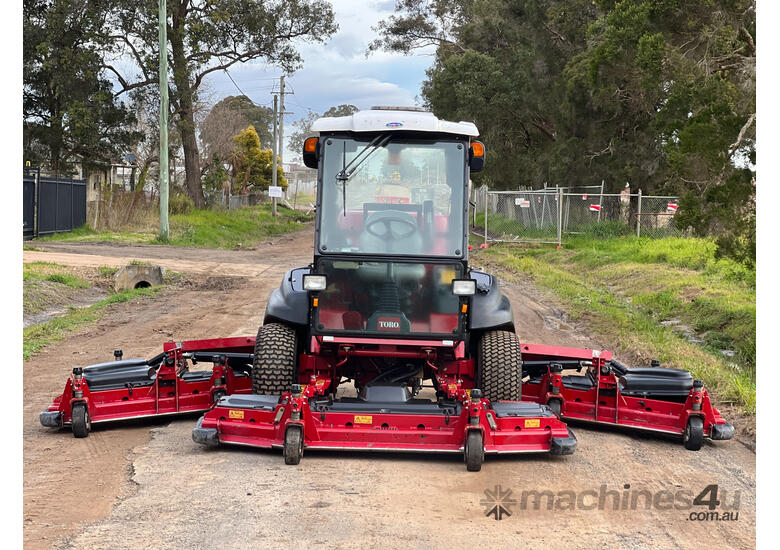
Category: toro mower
[391,306]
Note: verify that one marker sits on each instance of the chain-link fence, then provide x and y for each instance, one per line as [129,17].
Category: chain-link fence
[549,215]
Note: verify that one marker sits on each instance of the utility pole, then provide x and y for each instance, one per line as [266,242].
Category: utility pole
[274,147]
[280,148]
[163,18]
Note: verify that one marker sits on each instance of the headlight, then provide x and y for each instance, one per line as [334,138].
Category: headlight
[464,287]
[314,282]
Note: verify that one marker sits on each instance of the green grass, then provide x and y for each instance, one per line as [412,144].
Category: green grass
[47,271]
[38,336]
[624,287]
[204,228]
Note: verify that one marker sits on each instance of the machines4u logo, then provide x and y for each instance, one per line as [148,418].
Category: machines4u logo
[498,502]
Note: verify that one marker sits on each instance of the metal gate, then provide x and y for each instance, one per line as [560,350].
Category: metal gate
[52,205]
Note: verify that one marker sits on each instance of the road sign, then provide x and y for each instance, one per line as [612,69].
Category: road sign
[275,192]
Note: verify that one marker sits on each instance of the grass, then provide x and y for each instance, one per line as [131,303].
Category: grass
[203,228]
[625,287]
[38,336]
[47,271]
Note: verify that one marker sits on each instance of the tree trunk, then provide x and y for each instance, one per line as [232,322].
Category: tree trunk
[186,117]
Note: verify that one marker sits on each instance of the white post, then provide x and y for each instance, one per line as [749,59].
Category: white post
[486,211]
[560,214]
[601,196]
[639,212]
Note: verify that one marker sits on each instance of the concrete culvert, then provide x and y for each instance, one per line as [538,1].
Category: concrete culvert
[138,276]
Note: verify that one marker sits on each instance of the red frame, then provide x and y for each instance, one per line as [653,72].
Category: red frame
[383,432]
[604,404]
[180,397]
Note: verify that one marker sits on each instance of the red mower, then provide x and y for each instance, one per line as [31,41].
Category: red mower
[391,305]
[654,399]
[164,385]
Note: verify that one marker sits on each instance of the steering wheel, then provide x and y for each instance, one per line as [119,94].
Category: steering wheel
[387,221]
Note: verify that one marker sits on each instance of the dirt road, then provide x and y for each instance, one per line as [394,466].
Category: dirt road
[147,484]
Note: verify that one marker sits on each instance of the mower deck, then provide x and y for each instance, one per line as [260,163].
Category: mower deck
[384,418]
[163,385]
[652,399]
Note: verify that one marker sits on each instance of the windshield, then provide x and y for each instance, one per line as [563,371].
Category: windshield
[400,196]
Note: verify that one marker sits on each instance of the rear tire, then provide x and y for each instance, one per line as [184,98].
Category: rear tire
[80,422]
[499,366]
[275,366]
[693,437]
[474,451]
[293,445]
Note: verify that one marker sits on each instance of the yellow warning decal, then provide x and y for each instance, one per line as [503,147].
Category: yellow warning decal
[363,419]
[532,423]
[236,414]
[320,382]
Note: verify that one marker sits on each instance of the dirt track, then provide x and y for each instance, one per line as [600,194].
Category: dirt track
[147,484]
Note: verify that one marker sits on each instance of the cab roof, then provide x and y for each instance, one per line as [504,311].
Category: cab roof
[388,119]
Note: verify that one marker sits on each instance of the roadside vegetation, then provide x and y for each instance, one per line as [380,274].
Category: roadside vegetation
[229,229]
[51,290]
[668,299]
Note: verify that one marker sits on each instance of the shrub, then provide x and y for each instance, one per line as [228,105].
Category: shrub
[180,203]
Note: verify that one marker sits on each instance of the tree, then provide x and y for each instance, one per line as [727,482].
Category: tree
[660,93]
[205,37]
[303,125]
[69,108]
[253,166]
[228,117]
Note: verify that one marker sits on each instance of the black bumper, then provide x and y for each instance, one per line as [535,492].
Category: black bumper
[204,436]
[722,432]
[563,445]
[51,419]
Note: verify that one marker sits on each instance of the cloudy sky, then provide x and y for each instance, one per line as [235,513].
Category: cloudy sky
[337,72]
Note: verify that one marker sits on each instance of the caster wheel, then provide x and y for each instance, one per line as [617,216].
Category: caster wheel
[555,406]
[693,437]
[219,394]
[80,422]
[474,451]
[293,445]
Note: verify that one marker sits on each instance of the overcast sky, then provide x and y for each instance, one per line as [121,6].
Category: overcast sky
[335,73]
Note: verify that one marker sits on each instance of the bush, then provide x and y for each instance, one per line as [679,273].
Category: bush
[180,203]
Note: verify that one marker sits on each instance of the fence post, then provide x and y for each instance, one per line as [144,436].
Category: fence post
[560,213]
[601,196]
[486,212]
[639,212]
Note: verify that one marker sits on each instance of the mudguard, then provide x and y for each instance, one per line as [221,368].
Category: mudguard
[490,309]
[289,303]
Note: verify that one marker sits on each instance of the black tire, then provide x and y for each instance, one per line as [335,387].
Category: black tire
[693,437]
[80,422]
[499,366]
[275,366]
[293,445]
[555,406]
[473,451]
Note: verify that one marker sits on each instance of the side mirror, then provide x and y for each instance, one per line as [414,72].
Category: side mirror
[476,156]
[311,152]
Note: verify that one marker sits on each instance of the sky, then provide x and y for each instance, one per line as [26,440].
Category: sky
[335,73]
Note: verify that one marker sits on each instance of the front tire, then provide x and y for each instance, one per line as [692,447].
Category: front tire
[275,366]
[80,421]
[499,366]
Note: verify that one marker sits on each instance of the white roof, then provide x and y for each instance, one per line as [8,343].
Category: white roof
[386,120]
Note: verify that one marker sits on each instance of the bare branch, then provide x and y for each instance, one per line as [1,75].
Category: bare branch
[741,137]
